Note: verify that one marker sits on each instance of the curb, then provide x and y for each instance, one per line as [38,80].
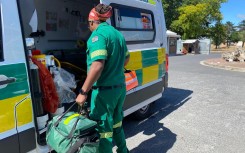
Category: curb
[217,51]
[230,68]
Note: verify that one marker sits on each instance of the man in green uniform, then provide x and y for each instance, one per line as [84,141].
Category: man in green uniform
[107,55]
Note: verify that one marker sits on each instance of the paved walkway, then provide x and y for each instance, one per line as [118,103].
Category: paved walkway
[222,64]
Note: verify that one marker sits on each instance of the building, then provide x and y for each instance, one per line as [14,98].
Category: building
[172,38]
[191,46]
[195,46]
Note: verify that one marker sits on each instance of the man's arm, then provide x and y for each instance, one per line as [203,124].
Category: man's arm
[127,55]
[126,60]
[93,75]
[97,54]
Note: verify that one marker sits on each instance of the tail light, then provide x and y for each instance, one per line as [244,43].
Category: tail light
[166,62]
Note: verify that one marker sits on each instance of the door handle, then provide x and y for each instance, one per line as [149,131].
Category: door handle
[8,81]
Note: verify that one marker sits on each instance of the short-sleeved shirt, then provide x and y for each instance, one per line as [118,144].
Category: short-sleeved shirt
[107,43]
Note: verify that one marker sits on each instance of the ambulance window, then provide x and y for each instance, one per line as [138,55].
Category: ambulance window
[1,42]
[137,25]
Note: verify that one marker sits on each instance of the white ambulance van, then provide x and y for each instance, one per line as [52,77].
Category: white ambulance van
[54,27]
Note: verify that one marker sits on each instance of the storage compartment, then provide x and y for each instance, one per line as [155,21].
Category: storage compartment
[62,31]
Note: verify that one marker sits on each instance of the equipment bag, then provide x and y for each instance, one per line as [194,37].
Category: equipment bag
[72,133]
[131,79]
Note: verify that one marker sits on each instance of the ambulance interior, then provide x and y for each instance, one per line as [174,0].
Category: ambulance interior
[60,30]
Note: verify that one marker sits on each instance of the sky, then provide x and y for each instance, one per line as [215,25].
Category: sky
[234,11]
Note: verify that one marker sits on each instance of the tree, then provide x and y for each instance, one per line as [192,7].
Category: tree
[235,37]
[170,8]
[241,25]
[229,30]
[190,22]
[218,33]
[195,2]
[191,2]
[195,17]
[242,37]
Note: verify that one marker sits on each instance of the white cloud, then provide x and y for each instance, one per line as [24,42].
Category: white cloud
[241,16]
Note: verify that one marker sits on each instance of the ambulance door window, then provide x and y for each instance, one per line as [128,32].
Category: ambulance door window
[137,25]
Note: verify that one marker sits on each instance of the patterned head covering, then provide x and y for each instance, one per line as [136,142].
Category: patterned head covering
[100,13]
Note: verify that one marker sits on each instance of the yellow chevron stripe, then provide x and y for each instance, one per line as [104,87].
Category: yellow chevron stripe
[150,74]
[135,61]
[24,112]
[7,114]
[161,55]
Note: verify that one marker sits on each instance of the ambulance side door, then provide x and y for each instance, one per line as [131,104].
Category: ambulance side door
[17,134]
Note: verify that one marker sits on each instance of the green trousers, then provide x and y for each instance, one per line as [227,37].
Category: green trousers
[106,109]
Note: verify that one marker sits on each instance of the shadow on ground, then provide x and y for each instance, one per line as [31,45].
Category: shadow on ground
[162,138]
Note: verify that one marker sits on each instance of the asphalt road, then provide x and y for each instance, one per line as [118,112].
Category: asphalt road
[202,111]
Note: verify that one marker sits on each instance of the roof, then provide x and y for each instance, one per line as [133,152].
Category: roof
[189,41]
[172,34]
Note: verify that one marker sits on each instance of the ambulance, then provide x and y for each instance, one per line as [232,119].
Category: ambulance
[59,28]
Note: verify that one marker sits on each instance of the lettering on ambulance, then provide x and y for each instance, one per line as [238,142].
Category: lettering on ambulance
[148,64]
[15,102]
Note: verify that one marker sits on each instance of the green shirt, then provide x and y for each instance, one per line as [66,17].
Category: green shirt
[107,43]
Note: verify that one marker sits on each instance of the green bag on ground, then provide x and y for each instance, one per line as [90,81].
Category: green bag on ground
[72,133]
[90,148]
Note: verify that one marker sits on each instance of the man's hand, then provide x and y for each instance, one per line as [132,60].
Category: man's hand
[81,99]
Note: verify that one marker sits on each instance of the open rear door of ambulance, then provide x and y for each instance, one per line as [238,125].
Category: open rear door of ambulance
[17,134]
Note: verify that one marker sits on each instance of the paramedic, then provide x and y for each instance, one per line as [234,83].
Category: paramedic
[107,55]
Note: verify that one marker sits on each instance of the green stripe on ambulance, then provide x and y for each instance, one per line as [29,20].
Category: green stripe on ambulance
[17,88]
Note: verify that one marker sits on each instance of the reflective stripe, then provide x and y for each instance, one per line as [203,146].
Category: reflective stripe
[119,124]
[131,81]
[66,121]
[127,53]
[98,53]
[106,135]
